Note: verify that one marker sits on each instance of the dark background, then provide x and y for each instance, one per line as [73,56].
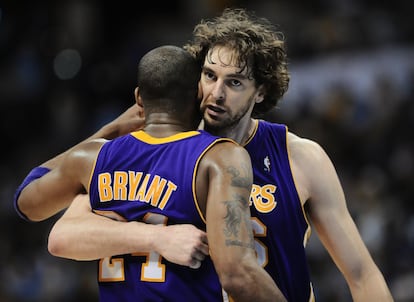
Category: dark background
[67,67]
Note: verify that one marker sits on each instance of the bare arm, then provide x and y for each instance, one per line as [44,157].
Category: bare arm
[229,229]
[47,195]
[81,234]
[37,210]
[326,207]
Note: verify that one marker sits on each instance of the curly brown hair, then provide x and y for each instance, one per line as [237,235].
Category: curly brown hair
[257,45]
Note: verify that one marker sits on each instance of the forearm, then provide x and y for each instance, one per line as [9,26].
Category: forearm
[36,210]
[93,237]
[29,208]
[26,203]
[267,289]
[371,288]
[83,235]
[130,120]
[262,287]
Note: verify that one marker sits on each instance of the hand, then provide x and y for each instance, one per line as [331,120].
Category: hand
[183,244]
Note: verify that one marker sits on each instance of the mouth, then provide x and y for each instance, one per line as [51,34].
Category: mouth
[214,111]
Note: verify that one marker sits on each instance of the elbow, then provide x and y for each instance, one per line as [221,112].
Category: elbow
[54,246]
[26,213]
[57,245]
[250,284]
[232,283]
[27,209]
[31,215]
[233,278]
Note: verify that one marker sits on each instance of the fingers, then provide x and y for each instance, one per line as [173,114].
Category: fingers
[184,245]
[195,264]
[199,253]
[198,256]
[204,238]
[203,248]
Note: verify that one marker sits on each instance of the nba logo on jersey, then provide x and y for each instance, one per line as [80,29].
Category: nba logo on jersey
[266,162]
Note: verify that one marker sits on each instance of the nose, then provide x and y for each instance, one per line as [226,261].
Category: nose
[218,91]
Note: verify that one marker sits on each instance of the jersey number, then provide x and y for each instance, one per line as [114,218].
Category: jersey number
[260,230]
[112,269]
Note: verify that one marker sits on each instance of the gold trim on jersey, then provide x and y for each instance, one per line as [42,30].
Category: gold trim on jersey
[93,169]
[145,137]
[308,231]
[256,126]
[215,142]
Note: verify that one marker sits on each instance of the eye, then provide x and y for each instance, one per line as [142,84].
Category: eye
[235,83]
[209,75]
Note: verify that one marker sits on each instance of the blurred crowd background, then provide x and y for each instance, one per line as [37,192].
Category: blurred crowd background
[68,67]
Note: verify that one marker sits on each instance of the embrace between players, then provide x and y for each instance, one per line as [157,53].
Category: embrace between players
[235,177]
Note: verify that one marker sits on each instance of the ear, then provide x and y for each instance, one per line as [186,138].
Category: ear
[138,99]
[259,95]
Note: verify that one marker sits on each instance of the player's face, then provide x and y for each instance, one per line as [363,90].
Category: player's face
[228,94]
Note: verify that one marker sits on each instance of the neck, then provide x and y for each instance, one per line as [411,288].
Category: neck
[164,126]
[240,133]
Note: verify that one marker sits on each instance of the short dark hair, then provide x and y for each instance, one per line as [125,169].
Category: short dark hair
[168,76]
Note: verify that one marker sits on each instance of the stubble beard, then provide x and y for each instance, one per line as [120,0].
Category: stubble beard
[224,127]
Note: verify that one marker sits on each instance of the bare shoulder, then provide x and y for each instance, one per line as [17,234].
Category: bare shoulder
[227,156]
[227,168]
[305,151]
[310,165]
[228,151]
